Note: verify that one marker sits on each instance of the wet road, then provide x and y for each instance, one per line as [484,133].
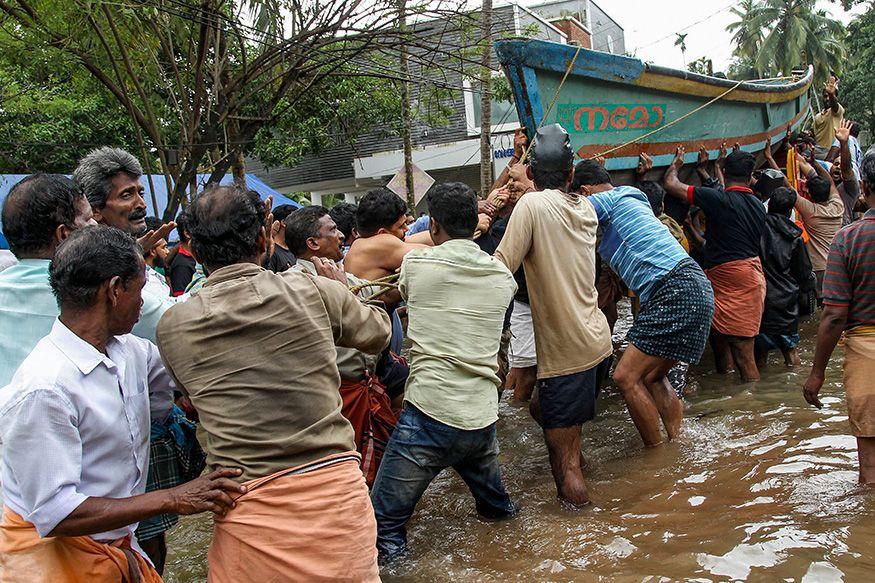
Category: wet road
[761,487]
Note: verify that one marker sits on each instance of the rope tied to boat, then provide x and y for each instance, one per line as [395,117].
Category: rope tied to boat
[668,125]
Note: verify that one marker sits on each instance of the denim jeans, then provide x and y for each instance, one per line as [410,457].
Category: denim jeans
[418,450]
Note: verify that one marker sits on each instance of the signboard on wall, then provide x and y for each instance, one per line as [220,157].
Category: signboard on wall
[421,183]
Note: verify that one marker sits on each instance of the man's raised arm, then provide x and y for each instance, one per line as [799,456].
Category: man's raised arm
[671,182]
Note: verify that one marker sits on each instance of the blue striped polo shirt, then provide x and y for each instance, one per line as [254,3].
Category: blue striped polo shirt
[637,246]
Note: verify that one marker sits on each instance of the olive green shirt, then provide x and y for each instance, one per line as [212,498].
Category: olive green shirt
[456,296]
[255,352]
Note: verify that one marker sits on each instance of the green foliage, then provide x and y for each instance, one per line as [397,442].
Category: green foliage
[857,89]
[336,112]
[702,66]
[778,35]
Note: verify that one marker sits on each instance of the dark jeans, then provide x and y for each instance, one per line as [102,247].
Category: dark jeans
[419,449]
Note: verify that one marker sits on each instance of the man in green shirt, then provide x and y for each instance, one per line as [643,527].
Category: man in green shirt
[456,297]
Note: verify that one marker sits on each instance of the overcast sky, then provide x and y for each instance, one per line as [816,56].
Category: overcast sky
[650,26]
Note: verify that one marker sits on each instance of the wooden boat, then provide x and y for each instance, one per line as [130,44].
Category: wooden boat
[609,100]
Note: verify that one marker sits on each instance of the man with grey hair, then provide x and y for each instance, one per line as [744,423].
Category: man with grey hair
[110,178]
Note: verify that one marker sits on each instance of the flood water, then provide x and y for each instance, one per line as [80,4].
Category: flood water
[761,487]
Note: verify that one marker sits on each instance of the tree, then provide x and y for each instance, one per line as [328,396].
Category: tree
[858,83]
[196,79]
[747,35]
[702,66]
[486,98]
[793,33]
[681,41]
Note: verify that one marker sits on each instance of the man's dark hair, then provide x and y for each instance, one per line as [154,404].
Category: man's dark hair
[454,206]
[739,166]
[282,211]
[818,189]
[379,209]
[855,129]
[589,172]
[94,174]
[34,209]
[224,223]
[88,258]
[867,171]
[301,225]
[182,226]
[782,201]
[153,223]
[655,195]
[343,214]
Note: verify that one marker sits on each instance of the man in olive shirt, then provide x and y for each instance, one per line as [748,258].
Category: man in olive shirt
[254,350]
[552,232]
[456,296]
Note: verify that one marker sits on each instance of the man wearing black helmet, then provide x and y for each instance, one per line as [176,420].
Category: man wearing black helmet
[552,233]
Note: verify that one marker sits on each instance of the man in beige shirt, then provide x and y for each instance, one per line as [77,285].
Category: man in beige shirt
[822,216]
[254,350]
[553,234]
[828,119]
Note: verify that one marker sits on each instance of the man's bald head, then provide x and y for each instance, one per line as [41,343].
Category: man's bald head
[226,226]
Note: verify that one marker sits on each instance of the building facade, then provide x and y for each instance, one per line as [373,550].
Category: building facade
[449,151]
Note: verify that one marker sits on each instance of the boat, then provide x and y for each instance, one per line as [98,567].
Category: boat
[617,107]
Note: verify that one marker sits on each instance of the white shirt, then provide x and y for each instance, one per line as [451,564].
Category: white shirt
[7,259]
[74,423]
[156,285]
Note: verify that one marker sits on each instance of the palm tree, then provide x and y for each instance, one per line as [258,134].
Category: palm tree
[746,36]
[681,41]
[795,33]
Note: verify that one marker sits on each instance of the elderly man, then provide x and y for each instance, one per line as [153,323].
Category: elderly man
[254,350]
[111,180]
[75,487]
[849,312]
[552,232]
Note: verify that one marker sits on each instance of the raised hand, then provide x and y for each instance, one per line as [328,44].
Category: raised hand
[645,164]
[519,143]
[843,132]
[678,161]
[151,238]
[736,147]
[722,152]
[767,151]
[207,493]
[703,158]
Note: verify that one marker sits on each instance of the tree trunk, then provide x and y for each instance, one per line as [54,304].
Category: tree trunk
[486,99]
[406,123]
[238,167]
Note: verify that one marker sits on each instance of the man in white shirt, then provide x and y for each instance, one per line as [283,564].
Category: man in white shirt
[74,423]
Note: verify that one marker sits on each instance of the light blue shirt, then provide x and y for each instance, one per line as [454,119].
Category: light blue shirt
[637,246]
[74,423]
[28,309]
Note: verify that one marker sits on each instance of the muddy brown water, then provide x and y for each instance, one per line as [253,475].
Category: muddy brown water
[761,487]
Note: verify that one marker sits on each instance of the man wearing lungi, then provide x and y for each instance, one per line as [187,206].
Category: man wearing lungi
[736,221]
[849,312]
[255,352]
[677,302]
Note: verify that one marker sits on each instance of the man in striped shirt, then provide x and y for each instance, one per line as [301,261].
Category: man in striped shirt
[677,301]
[849,310]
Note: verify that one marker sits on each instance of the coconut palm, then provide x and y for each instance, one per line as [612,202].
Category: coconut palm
[746,35]
[795,33]
[681,41]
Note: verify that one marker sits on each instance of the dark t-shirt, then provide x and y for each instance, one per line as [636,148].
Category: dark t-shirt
[281,260]
[736,222]
[181,270]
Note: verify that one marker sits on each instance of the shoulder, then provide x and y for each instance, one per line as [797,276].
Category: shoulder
[46,375]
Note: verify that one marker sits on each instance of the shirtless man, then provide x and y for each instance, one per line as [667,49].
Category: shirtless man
[381,221]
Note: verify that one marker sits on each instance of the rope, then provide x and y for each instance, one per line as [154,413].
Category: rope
[668,125]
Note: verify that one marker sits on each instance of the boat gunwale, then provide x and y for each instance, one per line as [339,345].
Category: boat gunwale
[519,52]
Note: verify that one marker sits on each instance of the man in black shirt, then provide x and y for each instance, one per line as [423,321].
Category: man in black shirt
[736,220]
[182,265]
[281,258]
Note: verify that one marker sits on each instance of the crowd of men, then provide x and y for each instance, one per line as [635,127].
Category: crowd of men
[255,370]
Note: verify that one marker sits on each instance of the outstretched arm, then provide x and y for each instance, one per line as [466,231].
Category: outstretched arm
[672,184]
[843,135]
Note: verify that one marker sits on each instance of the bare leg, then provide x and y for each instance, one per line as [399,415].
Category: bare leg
[535,408]
[866,453]
[522,382]
[563,444]
[670,408]
[791,356]
[742,354]
[633,368]
[722,353]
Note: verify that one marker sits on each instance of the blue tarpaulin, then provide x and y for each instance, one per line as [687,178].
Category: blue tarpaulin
[7,181]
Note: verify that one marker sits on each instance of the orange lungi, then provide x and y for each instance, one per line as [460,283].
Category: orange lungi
[739,297]
[27,558]
[369,410]
[313,526]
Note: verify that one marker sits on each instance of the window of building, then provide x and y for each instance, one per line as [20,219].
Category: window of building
[504,115]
